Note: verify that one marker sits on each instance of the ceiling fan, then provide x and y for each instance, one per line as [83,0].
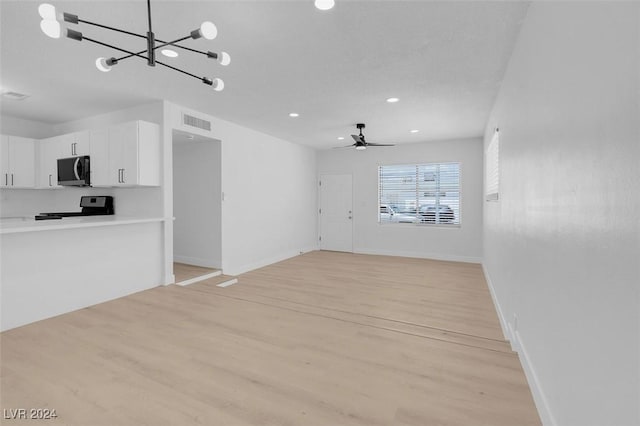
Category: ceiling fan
[361,143]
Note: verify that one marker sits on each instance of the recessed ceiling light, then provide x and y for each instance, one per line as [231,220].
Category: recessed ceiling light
[294,114]
[415,131]
[324,4]
[340,138]
[169,53]
[392,100]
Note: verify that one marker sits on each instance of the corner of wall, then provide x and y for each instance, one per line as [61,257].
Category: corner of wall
[501,316]
[512,335]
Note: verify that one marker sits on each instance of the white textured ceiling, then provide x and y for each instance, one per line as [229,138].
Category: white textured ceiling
[443,59]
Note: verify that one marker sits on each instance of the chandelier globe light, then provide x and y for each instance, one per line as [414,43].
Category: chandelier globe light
[52,26]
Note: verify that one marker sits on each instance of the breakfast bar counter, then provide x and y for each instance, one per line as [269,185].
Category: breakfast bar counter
[50,267]
[14,225]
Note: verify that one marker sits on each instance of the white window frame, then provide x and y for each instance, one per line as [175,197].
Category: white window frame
[458,213]
[492,168]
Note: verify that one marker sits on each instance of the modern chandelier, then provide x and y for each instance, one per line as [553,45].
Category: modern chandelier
[51,26]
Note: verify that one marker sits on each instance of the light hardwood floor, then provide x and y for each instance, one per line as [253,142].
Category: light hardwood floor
[184,272]
[321,339]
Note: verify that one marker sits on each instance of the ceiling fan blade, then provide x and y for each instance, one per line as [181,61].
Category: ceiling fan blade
[358,138]
[347,146]
[379,144]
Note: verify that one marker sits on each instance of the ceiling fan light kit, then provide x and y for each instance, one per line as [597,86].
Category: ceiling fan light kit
[360,143]
[52,27]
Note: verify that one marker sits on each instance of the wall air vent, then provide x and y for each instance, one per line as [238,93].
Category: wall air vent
[190,120]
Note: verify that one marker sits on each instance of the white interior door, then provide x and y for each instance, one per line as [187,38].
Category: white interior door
[336,213]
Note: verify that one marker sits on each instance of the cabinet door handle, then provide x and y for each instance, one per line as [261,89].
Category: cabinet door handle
[50,180]
[123,176]
[6,179]
[11,179]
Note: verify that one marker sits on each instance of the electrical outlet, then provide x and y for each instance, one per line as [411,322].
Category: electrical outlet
[515,323]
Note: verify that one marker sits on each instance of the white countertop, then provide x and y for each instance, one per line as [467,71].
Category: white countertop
[14,225]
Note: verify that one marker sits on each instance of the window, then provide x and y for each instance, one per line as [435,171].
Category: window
[419,193]
[492,168]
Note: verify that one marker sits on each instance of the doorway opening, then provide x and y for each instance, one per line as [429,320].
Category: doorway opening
[197,207]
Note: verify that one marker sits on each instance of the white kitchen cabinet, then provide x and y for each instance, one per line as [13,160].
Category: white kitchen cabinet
[99,153]
[49,150]
[4,160]
[52,149]
[17,166]
[133,152]
[75,144]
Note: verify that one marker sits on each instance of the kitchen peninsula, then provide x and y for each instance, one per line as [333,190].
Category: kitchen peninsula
[76,259]
[51,268]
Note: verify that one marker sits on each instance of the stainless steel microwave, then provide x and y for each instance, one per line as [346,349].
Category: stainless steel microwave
[74,171]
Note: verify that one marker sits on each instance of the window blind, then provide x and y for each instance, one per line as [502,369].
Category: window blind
[419,193]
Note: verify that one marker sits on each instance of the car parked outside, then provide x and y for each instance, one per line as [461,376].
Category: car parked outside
[387,214]
[432,213]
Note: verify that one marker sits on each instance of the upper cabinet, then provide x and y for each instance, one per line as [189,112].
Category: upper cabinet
[52,149]
[99,154]
[17,165]
[75,144]
[49,150]
[126,154]
[133,155]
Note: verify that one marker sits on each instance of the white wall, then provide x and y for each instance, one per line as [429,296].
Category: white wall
[269,194]
[25,128]
[269,207]
[561,247]
[461,244]
[197,203]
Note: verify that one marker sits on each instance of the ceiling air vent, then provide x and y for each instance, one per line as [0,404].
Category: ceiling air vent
[14,96]
[190,120]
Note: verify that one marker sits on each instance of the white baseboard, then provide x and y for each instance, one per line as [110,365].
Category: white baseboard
[420,255]
[539,397]
[506,330]
[513,336]
[242,269]
[197,261]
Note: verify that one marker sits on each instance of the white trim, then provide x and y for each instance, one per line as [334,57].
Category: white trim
[199,278]
[241,269]
[539,397]
[420,255]
[503,321]
[227,283]
[513,336]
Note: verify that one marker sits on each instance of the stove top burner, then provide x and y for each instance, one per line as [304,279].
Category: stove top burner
[91,206]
